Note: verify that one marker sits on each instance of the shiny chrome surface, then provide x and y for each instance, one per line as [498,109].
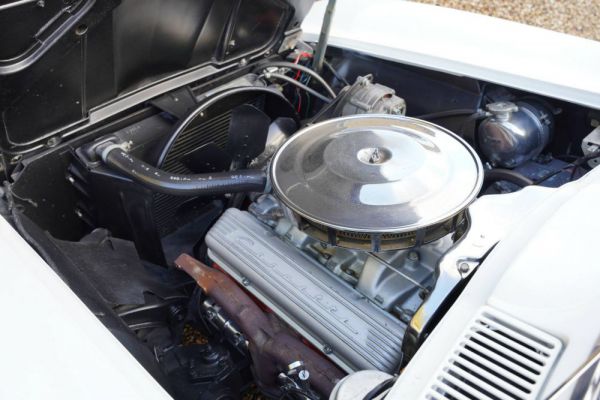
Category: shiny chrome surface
[376,174]
[515,133]
[491,218]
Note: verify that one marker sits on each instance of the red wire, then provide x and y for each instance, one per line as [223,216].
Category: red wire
[304,54]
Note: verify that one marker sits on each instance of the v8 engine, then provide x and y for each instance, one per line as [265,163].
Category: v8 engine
[345,248]
[334,241]
[273,230]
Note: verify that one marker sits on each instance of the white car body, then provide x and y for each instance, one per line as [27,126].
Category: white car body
[541,273]
[65,352]
[71,355]
[525,57]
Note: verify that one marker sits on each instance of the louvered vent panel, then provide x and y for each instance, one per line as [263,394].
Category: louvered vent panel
[497,358]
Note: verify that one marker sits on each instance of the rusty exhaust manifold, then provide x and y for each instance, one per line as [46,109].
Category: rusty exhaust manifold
[271,350]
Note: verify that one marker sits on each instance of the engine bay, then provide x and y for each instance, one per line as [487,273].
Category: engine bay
[268,232]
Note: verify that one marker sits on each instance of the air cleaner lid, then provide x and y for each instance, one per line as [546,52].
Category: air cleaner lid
[376,173]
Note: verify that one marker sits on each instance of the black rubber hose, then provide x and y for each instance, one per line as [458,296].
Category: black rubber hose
[285,64]
[208,184]
[500,174]
[294,82]
[447,113]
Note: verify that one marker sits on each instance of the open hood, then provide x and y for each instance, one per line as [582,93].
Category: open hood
[62,59]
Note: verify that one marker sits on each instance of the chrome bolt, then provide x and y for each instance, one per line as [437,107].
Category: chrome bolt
[303,375]
[53,141]
[413,256]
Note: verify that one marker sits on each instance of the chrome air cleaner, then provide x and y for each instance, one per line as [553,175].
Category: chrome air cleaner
[376,182]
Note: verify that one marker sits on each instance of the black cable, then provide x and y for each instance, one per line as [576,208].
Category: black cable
[552,174]
[481,97]
[572,176]
[500,174]
[304,393]
[330,67]
[335,73]
[294,82]
[379,389]
[286,64]
[205,105]
[208,184]
[575,164]
[473,117]
[448,113]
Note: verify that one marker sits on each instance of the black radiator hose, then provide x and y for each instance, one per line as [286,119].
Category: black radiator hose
[500,174]
[207,184]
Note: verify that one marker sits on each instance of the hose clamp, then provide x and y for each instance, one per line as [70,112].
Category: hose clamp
[106,148]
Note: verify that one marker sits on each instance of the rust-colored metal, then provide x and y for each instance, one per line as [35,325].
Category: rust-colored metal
[271,350]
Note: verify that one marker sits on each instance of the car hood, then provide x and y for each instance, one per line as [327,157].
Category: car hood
[60,60]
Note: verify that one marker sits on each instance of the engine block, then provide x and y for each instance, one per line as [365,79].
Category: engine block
[329,313]
[306,289]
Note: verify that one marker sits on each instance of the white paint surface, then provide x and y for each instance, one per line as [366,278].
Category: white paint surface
[461,43]
[544,273]
[53,347]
